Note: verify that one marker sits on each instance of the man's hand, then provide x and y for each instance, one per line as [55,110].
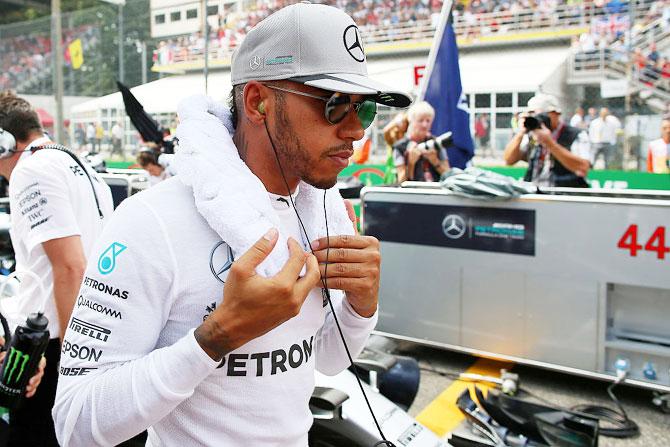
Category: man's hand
[353,266]
[431,156]
[253,305]
[543,136]
[413,152]
[35,380]
[520,122]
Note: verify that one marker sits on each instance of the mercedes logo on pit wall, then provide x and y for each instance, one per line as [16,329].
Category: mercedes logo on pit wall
[220,260]
[454,226]
[353,44]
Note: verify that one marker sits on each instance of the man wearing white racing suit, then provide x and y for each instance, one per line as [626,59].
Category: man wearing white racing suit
[180,330]
[58,208]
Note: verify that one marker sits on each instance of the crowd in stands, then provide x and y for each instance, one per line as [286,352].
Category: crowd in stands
[27,56]
[607,41]
[472,18]
[232,26]
[22,57]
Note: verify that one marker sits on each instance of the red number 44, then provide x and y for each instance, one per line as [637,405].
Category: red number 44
[655,243]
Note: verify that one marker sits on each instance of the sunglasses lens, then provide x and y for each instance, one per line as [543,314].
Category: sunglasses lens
[337,107]
[367,112]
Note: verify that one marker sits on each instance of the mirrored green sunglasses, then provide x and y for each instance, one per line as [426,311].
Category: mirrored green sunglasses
[338,105]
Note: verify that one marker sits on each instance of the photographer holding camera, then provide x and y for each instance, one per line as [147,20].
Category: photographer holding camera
[416,157]
[557,154]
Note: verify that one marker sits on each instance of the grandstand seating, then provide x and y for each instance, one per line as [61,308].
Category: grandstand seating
[397,25]
[647,66]
[25,60]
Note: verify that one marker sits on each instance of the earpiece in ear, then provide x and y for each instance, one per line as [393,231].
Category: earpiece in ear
[261,108]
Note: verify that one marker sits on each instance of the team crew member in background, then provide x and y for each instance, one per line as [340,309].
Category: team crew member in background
[556,156]
[658,152]
[158,170]
[603,134]
[413,162]
[206,333]
[55,220]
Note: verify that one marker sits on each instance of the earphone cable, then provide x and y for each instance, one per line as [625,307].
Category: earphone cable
[325,290]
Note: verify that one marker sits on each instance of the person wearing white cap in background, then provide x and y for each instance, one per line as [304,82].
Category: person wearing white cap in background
[557,154]
[195,341]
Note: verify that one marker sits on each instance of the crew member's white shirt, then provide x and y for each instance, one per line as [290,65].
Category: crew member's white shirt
[577,120]
[117,132]
[604,130]
[50,198]
[130,359]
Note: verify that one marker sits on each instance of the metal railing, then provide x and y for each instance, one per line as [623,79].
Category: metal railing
[615,63]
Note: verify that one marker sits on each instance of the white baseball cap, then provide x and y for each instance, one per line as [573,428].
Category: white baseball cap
[544,103]
[316,45]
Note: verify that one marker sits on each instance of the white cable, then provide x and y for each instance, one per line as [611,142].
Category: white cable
[32,275]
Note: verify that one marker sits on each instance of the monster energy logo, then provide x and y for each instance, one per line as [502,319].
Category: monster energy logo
[16,360]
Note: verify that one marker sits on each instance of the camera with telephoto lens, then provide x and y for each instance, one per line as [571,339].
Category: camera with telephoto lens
[532,122]
[445,140]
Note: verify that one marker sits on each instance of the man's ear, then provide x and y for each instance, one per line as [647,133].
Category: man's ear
[256,101]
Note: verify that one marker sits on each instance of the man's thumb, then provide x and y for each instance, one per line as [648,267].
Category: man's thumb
[352,214]
[258,252]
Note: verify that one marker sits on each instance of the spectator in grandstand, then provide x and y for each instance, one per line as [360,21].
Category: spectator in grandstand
[653,53]
[663,67]
[577,119]
[396,128]
[413,162]
[603,137]
[158,167]
[117,139]
[557,155]
[658,152]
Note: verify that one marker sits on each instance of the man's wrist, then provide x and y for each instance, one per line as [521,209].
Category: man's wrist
[552,145]
[212,340]
[363,311]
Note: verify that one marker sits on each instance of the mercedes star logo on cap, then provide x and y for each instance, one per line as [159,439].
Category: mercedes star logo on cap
[255,62]
[453,226]
[352,42]
[221,257]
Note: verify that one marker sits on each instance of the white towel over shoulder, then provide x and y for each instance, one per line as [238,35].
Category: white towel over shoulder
[230,197]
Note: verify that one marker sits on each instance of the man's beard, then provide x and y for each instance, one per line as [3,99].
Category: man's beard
[293,155]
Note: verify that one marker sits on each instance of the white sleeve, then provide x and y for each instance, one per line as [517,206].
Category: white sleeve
[581,147]
[523,147]
[113,383]
[40,200]
[331,357]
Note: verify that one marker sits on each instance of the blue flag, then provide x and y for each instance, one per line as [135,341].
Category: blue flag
[445,94]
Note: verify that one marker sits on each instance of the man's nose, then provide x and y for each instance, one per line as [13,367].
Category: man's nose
[351,128]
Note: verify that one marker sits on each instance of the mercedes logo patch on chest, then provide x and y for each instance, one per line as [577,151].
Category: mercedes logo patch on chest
[220,260]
